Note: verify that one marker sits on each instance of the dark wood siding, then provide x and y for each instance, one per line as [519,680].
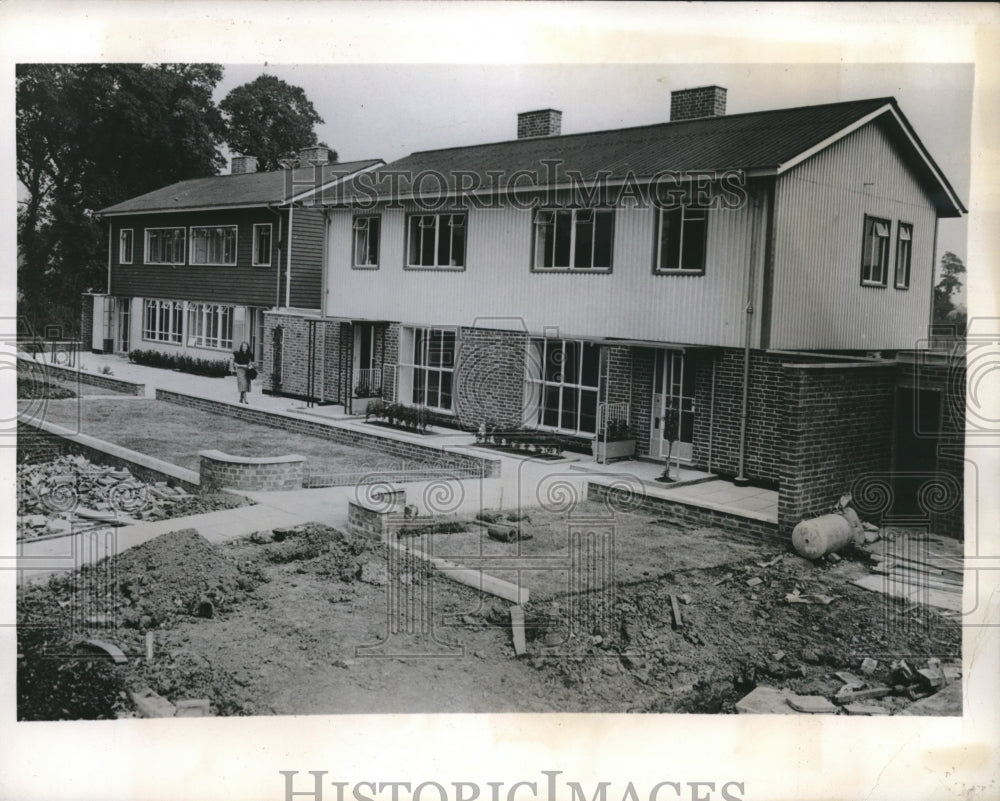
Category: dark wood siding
[307,258]
[242,284]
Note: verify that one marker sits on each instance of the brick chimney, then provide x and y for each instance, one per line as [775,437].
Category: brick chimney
[243,164]
[316,154]
[544,122]
[693,104]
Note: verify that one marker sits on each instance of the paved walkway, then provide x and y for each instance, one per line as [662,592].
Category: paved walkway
[523,482]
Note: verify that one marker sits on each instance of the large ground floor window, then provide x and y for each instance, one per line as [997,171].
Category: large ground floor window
[427,367]
[210,326]
[163,320]
[561,384]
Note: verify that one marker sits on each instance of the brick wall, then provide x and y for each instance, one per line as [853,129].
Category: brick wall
[721,416]
[545,122]
[41,369]
[642,397]
[489,378]
[367,522]
[838,426]
[220,470]
[690,104]
[86,322]
[295,357]
[460,465]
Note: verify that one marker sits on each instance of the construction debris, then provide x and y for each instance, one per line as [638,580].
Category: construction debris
[907,567]
[678,621]
[71,493]
[517,630]
[152,705]
[823,536]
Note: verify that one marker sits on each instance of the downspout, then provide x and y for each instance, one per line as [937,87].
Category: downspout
[711,416]
[741,480]
[108,290]
[288,261]
[322,299]
[277,287]
[930,315]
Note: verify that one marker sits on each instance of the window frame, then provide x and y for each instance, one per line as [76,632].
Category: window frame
[684,209]
[900,227]
[576,212]
[121,245]
[438,216]
[884,258]
[542,382]
[255,245]
[146,238]
[203,317]
[172,335]
[355,265]
[236,246]
[414,365]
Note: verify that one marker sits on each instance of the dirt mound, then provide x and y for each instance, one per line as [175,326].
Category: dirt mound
[318,549]
[176,573]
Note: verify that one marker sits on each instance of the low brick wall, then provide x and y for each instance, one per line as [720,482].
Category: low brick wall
[686,513]
[41,441]
[459,465]
[365,521]
[221,470]
[93,379]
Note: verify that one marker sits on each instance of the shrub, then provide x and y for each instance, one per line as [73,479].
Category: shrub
[213,368]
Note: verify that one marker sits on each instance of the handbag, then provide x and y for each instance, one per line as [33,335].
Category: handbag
[251,373]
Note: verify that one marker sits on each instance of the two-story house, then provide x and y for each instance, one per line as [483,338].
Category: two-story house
[554,280]
[194,266]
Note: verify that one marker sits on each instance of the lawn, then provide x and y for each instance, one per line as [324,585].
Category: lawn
[175,434]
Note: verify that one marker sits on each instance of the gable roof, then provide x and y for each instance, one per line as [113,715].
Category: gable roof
[758,143]
[245,190]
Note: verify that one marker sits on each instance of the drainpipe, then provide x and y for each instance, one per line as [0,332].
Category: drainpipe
[711,417]
[741,480]
[277,286]
[108,289]
[322,300]
[288,261]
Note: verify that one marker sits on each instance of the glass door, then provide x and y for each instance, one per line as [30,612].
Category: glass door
[673,389]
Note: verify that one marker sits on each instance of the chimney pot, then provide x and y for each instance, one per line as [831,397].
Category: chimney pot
[243,165]
[695,104]
[544,122]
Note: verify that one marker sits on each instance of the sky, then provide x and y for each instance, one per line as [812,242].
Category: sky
[390,110]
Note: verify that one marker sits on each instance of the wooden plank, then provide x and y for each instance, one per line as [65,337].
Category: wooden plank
[517,629]
[915,577]
[471,577]
[900,589]
[678,622]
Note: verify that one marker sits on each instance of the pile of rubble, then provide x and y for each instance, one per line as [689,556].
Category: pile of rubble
[71,493]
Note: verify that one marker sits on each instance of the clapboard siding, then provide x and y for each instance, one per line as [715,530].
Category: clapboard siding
[241,284]
[498,284]
[307,258]
[818,299]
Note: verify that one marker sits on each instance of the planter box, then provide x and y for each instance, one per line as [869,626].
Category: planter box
[610,451]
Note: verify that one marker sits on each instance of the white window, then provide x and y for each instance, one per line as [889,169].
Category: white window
[162,321]
[875,253]
[904,239]
[573,239]
[164,246]
[436,241]
[214,245]
[427,367]
[210,326]
[366,242]
[125,246]
[682,241]
[561,383]
[262,245]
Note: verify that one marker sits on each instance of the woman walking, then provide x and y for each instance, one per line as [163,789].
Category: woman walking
[243,363]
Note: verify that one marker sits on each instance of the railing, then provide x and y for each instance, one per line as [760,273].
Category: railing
[368,383]
[60,352]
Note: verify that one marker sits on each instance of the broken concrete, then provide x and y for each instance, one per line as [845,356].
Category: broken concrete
[766,701]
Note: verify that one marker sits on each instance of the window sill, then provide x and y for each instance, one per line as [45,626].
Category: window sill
[572,270]
[678,272]
[368,267]
[873,285]
[420,268]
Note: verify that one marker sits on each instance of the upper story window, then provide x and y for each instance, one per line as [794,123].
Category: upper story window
[682,240]
[262,245]
[435,241]
[875,252]
[214,245]
[164,246]
[904,239]
[366,242]
[573,239]
[125,242]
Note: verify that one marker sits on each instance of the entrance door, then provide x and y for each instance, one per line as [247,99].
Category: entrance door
[918,426]
[255,333]
[367,374]
[123,309]
[673,387]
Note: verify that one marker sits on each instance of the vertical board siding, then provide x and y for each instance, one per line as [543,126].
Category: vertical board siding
[307,259]
[819,301]
[242,284]
[498,283]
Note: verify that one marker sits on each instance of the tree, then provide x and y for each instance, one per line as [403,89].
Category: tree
[89,136]
[271,120]
[950,282]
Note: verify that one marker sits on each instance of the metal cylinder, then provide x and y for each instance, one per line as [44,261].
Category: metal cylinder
[502,533]
[822,535]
